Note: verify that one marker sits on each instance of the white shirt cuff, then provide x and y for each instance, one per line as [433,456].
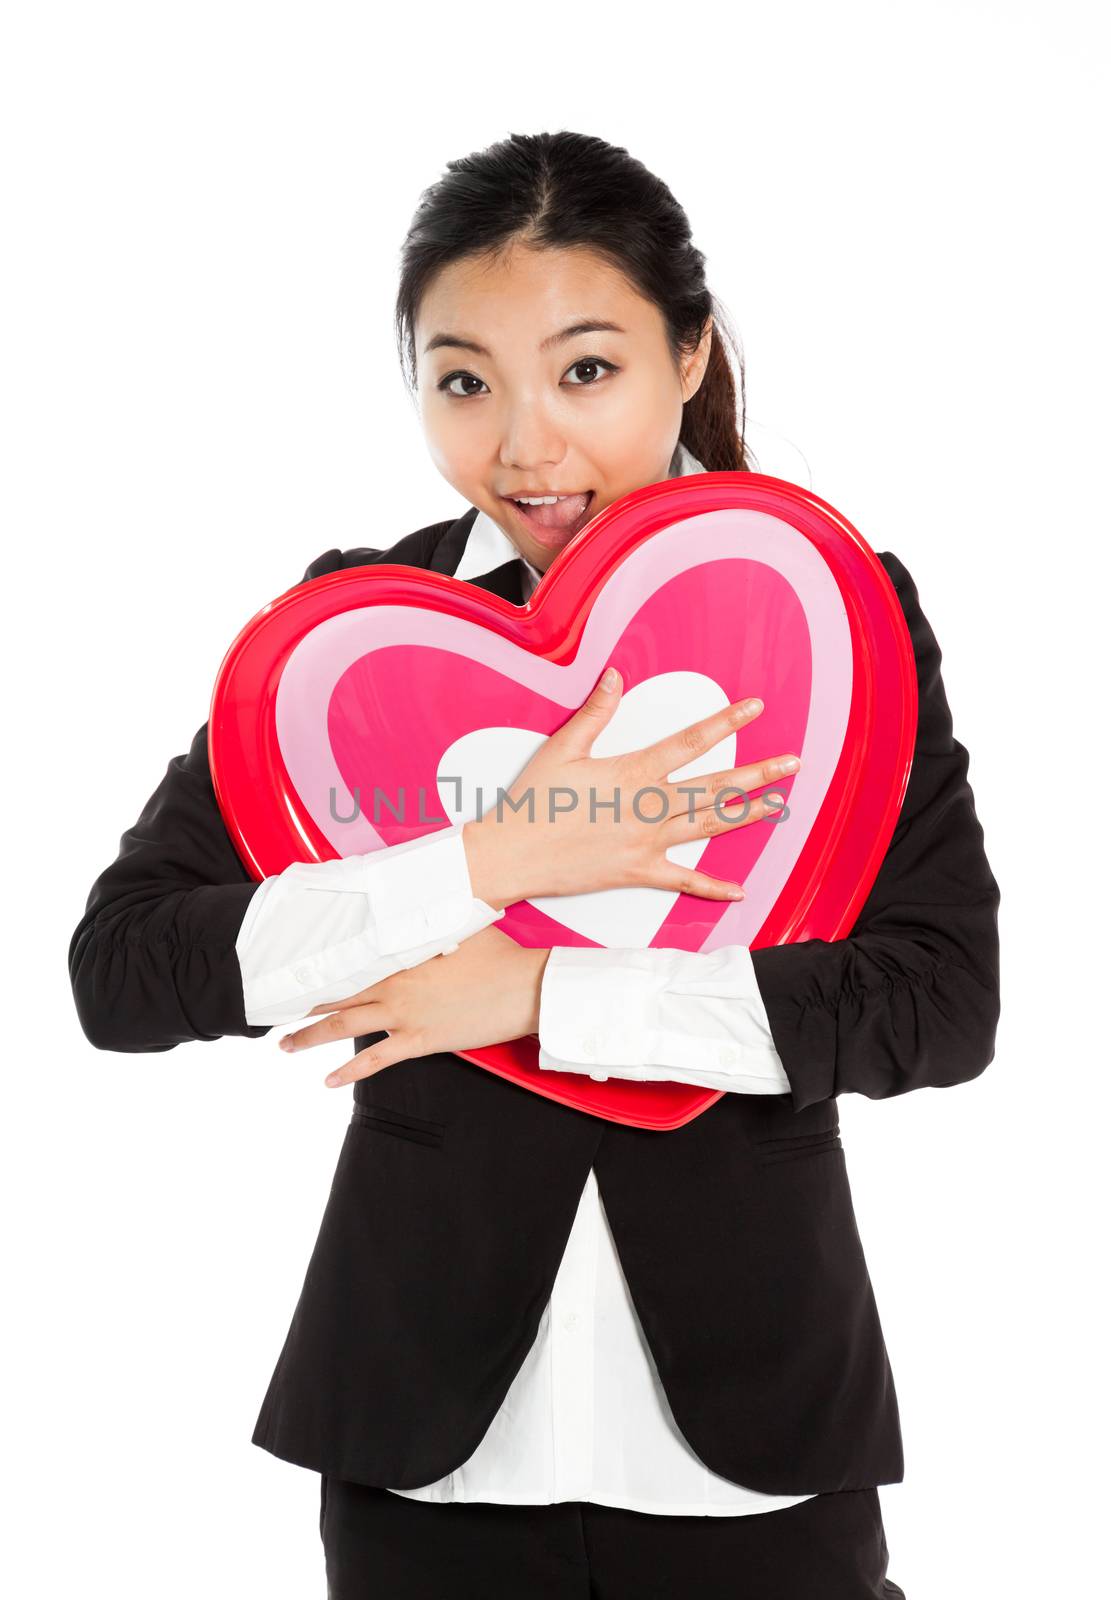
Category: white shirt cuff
[323,931]
[659,1016]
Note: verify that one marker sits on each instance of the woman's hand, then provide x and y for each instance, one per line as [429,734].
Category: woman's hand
[485,992]
[558,848]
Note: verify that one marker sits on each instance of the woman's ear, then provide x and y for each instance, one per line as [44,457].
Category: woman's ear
[693,367]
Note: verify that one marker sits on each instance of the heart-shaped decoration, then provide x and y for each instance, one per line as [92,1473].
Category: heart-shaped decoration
[377,704]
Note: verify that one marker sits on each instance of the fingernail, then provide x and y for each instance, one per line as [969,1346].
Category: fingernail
[333,1079]
[609,678]
[736,894]
[790,765]
[286,1042]
[751,707]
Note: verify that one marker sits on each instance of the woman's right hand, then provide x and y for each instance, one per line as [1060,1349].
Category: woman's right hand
[559,849]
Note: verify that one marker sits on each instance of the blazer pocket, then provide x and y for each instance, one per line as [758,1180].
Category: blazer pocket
[401,1124]
[797,1146]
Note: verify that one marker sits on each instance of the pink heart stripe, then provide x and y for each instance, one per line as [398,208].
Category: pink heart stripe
[376,678]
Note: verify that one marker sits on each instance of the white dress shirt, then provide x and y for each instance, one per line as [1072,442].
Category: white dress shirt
[586,1416]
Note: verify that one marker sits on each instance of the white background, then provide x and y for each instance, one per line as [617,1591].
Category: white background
[203,204]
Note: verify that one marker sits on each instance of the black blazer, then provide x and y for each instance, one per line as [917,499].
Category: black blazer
[455,1190]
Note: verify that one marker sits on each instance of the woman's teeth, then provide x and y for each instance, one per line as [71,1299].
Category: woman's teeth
[554,513]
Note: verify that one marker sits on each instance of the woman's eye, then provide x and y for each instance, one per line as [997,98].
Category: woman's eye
[592,365]
[590,362]
[459,377]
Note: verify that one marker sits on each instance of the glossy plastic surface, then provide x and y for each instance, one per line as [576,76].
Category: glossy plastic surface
[702,590]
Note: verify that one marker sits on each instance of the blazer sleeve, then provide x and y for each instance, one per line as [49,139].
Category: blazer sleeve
[152,961]
[910,998]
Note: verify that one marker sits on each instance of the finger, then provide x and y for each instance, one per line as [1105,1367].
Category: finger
[369,1061]
[708,822]
[677,749]
[326,1007]
[680,880]
[351,1023]
[686,880]
[362,998]
[703,792]
[579,732]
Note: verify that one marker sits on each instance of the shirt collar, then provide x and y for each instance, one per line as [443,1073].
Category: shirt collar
[488,546]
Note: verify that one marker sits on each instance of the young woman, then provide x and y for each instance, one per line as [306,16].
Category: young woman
[539,1353]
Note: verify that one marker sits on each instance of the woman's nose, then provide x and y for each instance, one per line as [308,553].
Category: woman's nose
[530,445]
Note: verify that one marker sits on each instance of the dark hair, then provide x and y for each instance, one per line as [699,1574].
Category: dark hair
[571,190]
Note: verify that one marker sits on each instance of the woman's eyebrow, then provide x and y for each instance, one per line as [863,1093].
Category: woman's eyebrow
[458,342]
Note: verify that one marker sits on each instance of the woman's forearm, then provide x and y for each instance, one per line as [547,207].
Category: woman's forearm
[324,931]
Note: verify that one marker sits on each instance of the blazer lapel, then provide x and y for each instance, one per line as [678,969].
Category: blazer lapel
[504,581]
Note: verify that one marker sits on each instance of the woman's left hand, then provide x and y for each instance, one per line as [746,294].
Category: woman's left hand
[485,992]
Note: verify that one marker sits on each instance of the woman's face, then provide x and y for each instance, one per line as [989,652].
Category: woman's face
[522,392]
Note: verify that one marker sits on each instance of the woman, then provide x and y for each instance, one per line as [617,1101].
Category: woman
[538,1353]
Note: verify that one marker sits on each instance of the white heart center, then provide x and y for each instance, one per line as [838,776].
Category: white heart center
[490,758]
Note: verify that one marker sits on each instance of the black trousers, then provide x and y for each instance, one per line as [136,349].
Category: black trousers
[380,1546]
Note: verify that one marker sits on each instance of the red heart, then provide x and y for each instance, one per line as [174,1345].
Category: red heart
[702,590]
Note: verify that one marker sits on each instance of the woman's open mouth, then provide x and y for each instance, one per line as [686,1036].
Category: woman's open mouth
[553,520]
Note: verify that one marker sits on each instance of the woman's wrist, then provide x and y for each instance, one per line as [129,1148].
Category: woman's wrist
[533,964]
[491,868]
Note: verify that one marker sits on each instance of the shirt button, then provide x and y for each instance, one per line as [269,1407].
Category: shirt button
[725,1055]
[589,1044]
[303,975]
[571,1320]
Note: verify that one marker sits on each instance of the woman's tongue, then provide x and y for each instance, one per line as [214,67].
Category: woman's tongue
[560,518]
